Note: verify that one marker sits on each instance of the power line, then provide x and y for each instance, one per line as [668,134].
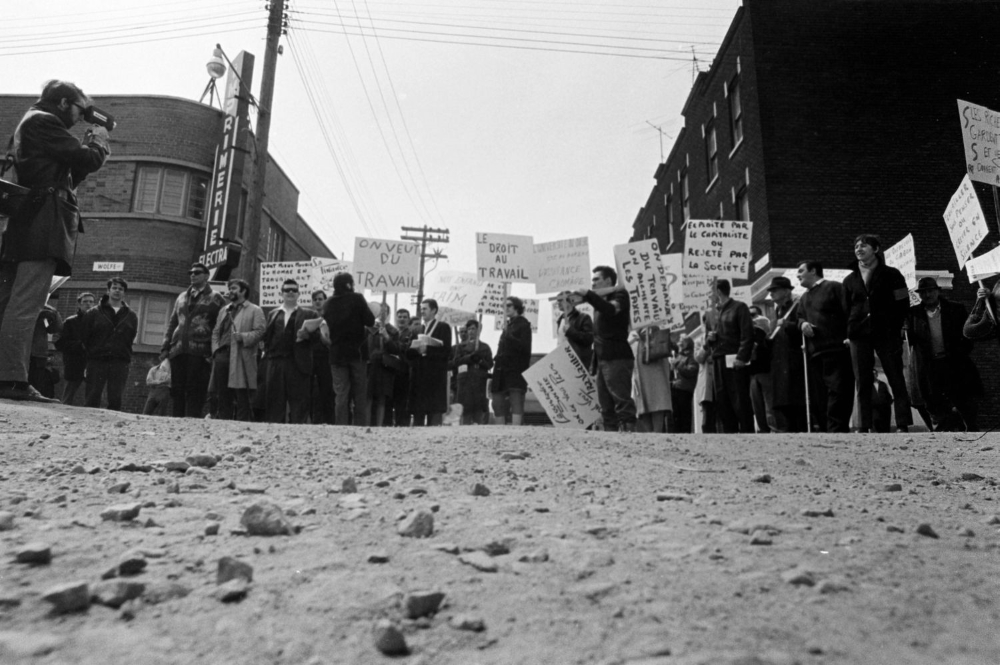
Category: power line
[132,29]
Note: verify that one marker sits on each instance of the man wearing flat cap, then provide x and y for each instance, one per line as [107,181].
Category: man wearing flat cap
[945,376]
[787,367]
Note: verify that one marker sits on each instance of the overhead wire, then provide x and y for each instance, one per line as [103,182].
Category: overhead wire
[47,23]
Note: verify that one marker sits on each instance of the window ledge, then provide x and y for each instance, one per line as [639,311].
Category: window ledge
[735,148]
[712,184]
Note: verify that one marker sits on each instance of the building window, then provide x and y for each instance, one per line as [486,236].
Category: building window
[735,112]
[722,213]
[742,205]
[170,191]
[154,315]
[275,248]
[711,152]
[685,196]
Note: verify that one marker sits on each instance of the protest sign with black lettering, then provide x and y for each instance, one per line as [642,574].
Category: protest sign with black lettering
[457,294]
[392,266]
[903,257]
[965,221]
[563,265]
[502,257]
[717,248]
[564,388]
[327,269]
[641,272]
[530,312]
[981,267]
[272,275]
[494,298]
[981,135]
[673,264]
[697,294]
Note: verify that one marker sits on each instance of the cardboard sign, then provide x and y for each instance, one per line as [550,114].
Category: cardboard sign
[325,270]
[564,388]
[981,135]
[984,266]
[563,265]
[673,264]
[903,257]
[717,248]
[504,258]
[530,312]
[272,275]
[642,274]
[455,290]
[965,221]
[697,294]
[392,266]
[493,299]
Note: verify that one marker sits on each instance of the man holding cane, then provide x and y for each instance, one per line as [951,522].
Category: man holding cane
[40,240]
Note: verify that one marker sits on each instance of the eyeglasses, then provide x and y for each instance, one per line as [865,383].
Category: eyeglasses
[83,109]
[197,272]
[290,290]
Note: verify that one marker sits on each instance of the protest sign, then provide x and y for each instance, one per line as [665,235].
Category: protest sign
[531,306]
[965,221]
[564,388]
[563,265]
[392,266]
[903,257]
[673,265]
[493,298]
[642,274]
[717,248]
[326,269]
[456,290]
[981,267]
[272,275]
[504,258]
[981,135]
[697,294]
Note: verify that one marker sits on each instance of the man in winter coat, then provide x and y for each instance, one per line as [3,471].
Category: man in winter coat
[288,340]
[108,333]
[730,333]
[234,352]
[472,361]
[787,372]
[188,343]
[878,303]
[347,316]
[40,240]
[508,386]
[70,344]
[576,327]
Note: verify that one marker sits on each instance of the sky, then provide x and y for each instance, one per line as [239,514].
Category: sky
[457,114]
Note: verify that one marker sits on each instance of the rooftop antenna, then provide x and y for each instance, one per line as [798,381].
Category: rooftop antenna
[695,70]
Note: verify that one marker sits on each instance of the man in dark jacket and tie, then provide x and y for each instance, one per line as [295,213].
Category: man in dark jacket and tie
[288,338]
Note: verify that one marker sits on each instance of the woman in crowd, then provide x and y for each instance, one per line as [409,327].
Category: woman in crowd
[472,362]
[684,369]
[650,385]
[513,357]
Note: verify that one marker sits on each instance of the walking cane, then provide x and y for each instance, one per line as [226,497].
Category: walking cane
[805,367]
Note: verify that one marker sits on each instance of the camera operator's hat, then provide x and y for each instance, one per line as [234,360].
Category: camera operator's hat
[927,284]
[780,282]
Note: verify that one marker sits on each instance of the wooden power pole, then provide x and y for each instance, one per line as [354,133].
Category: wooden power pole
[426,235]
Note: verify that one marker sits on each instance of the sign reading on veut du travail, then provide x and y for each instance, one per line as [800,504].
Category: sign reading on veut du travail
[386,265]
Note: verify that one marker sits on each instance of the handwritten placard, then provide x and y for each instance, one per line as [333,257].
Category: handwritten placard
[273,275]
[457,290]
[642,274]
[981,267]
[742,294]
[903,257]
[502,257]
[386,265]
[326,270]
[981,135]
[494,297]
[697,294]
[564,388]
[965,221]
[717,248]
[563,265]
[531,306]
[673,264]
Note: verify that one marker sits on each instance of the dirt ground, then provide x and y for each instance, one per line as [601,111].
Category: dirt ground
[589,547]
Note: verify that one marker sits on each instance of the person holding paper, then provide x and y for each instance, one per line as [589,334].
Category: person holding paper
[878,303]
[429,353]
[472,361]
[730,338]
[787,378]
[508,386]
[288,340]
[576,327]
[822,318]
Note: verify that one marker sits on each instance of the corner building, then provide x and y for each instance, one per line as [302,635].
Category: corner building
[146,209]
[819,120]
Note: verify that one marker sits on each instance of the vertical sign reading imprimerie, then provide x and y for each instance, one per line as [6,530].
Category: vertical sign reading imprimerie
[226,188]
[643,275]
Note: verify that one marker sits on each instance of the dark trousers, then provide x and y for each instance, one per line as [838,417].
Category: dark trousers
[683,401]
[950,393]
[156,401]
[614,393]
[427,419]
[287,392]
[189,375]
[234,404]
[890,354]
[106,373]
[733,408]
[400,414]
[350,379]
[790,418]
[23,287]
[831,383]
[321,397]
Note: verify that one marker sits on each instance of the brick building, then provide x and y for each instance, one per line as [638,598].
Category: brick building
[822,119]
[146,209]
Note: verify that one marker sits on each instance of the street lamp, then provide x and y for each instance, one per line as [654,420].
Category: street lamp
[216,67]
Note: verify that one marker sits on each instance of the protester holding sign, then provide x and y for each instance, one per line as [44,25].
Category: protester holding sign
[429,354]
[508,387]
[576,327]
[730,337]
[472,362]
[878,303]
[383,362]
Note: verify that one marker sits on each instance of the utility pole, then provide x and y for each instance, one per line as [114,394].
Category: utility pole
[251,240]
[426,235]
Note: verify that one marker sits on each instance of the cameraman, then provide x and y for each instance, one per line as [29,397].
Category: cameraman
[41,239]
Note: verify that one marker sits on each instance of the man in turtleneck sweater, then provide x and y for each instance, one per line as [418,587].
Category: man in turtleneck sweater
[878,303]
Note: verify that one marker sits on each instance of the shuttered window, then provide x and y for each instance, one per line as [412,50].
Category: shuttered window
[170,191]
[155,314]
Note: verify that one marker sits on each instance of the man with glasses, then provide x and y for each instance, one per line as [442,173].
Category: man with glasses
[40,240]
[188,343]
[289,337]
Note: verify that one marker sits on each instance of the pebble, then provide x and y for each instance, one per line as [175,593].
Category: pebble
[232,591]
[832,585]
[8,600]
[799,577]
[379,556]
[177,466]
[448,548]
[763,478]
[467,622]
[507,457]
[265,518]
[252,489]
[421,603]
[971,476]
[891,487]
[202,459]
[672,496]
[537,556]
[212,529]
[6,520]
[132,562]
[927,530]
[760,537]
[231,568]
[115,593]
[132,466]
[349,486]
[161,592]
[68,597]
[36,553]
[478,489]
[966,533]
[123,512]
[498,547]
[816,512]
[993,520]
[389,640]
[480,561]
[119,488]
[420,524]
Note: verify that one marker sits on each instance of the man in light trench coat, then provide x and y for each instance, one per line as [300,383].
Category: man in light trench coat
[234,352]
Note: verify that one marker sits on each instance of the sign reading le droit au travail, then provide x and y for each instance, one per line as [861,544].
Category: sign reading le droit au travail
[503,257]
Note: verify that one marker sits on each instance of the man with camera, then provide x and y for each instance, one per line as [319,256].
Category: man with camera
[40,238]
